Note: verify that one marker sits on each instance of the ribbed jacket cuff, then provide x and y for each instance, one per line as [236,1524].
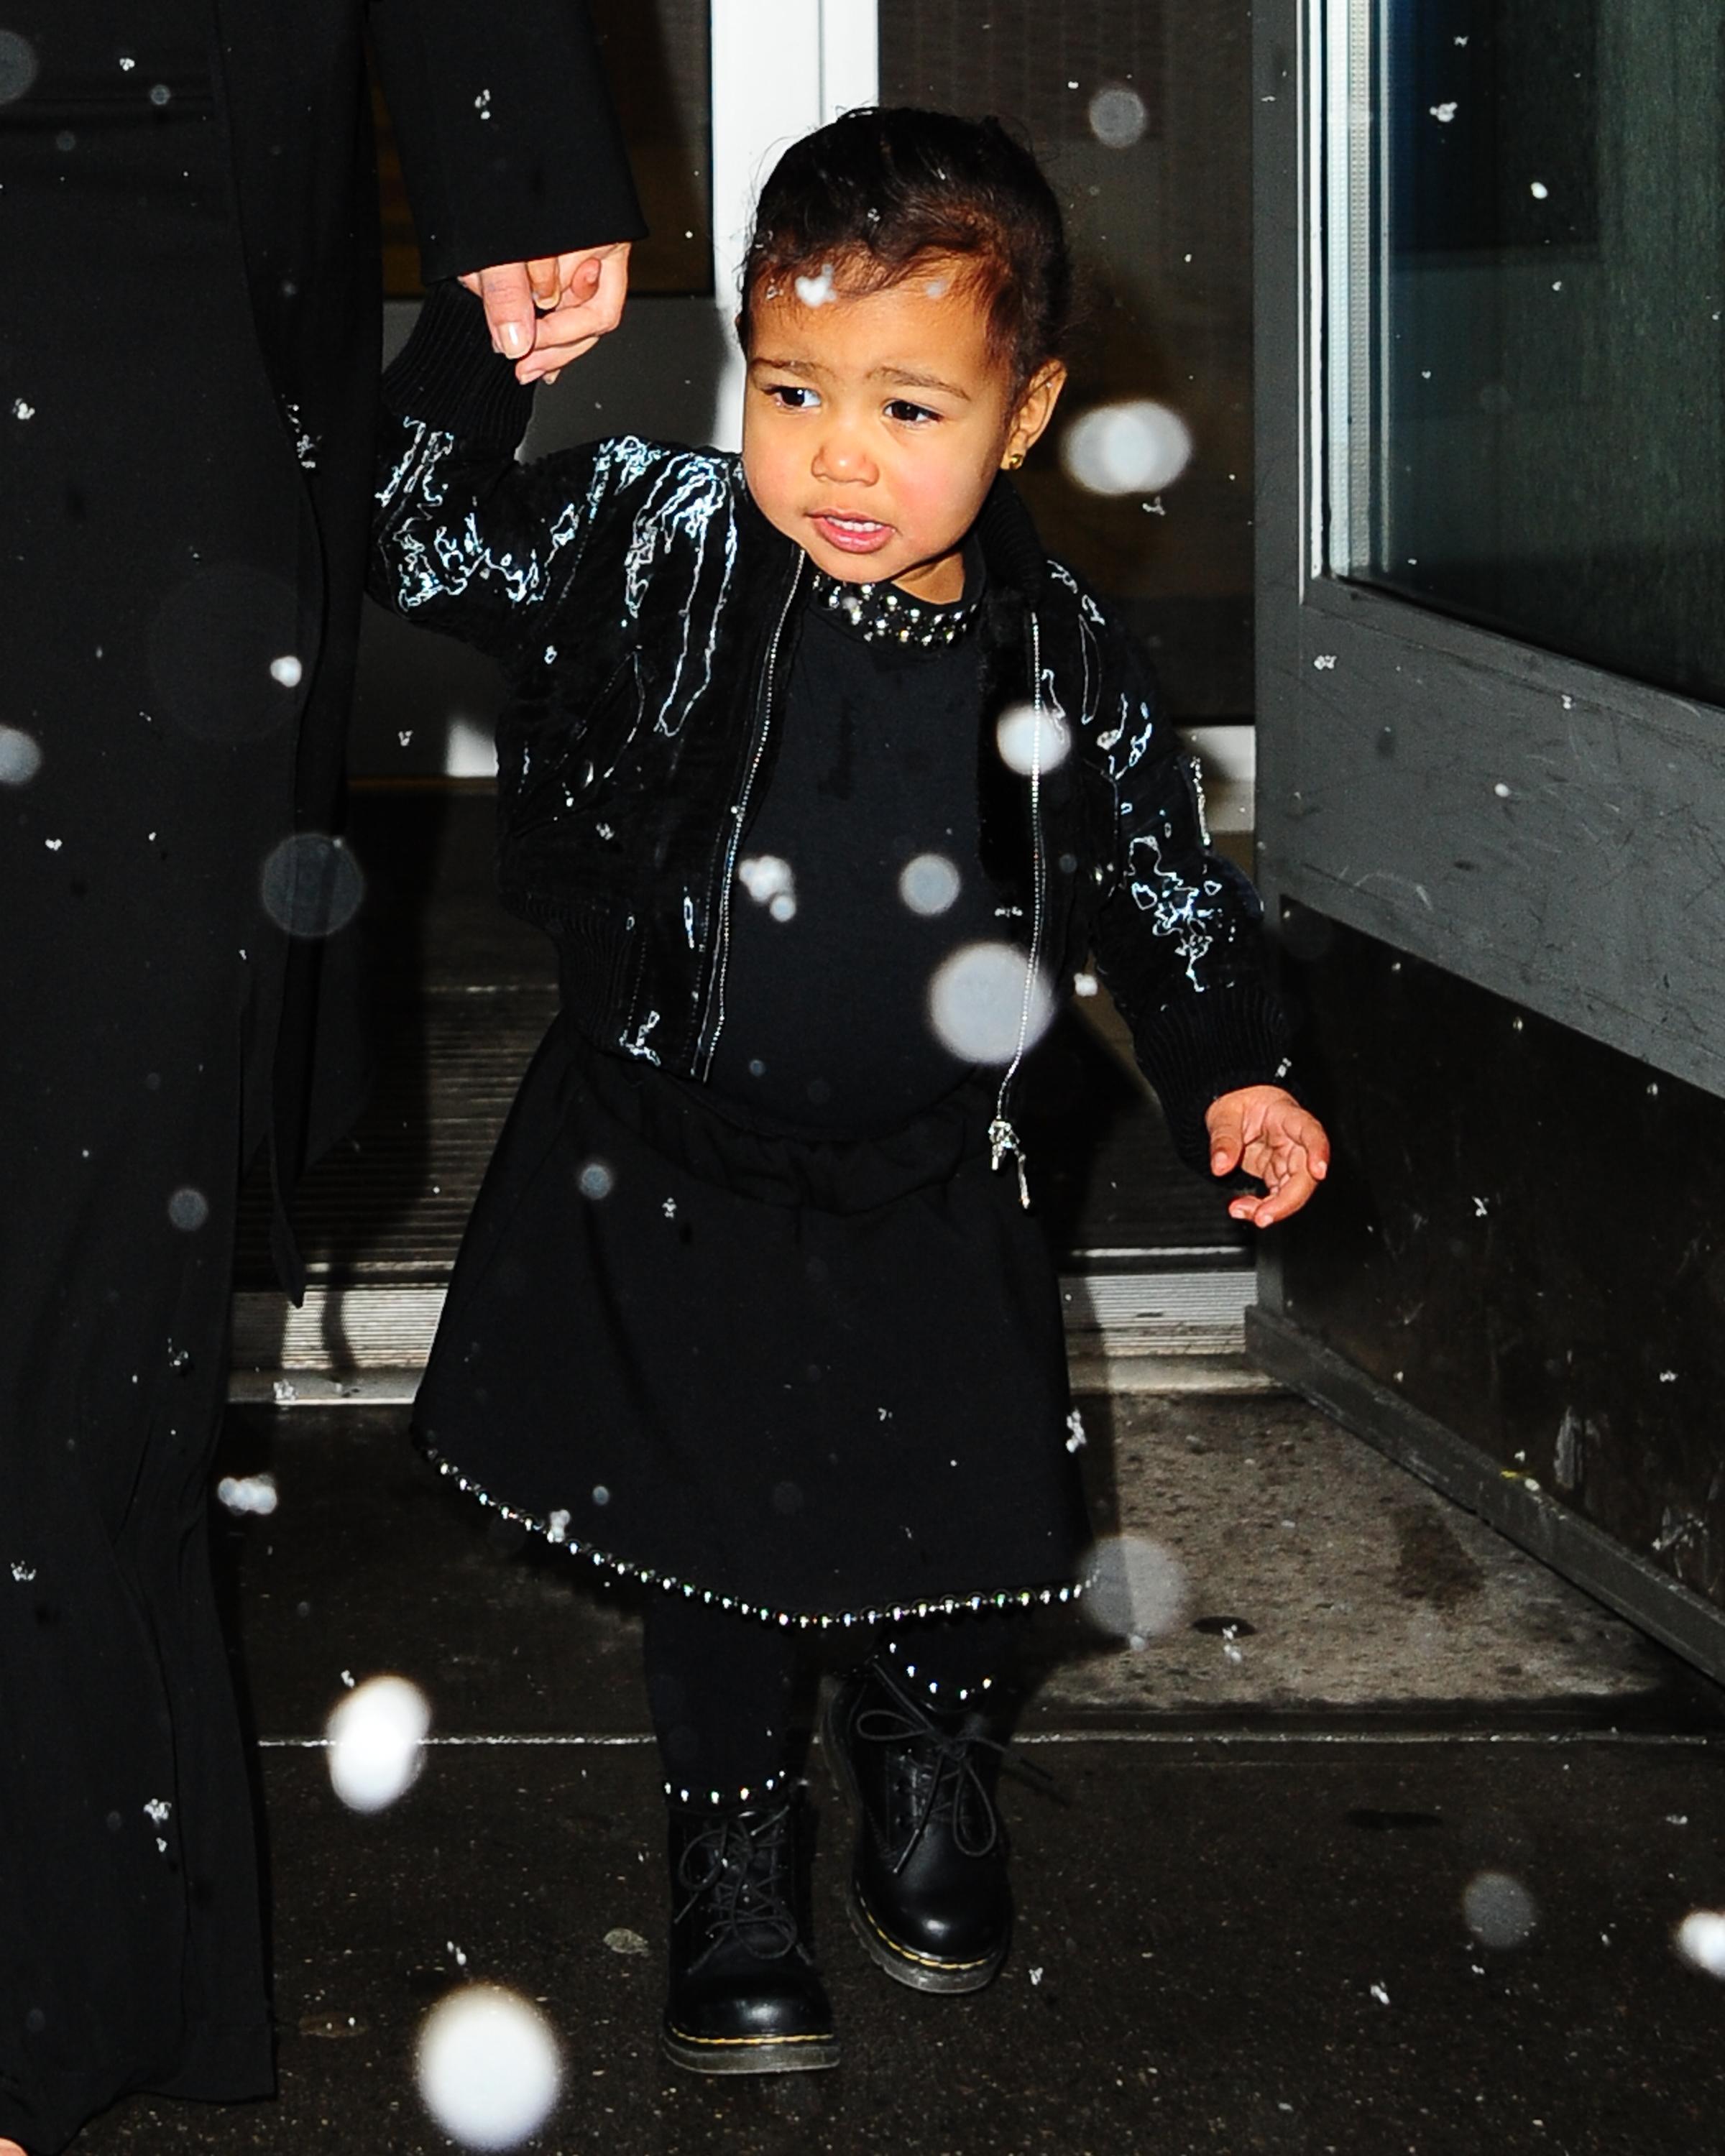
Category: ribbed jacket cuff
[1204,1046]
[448,374]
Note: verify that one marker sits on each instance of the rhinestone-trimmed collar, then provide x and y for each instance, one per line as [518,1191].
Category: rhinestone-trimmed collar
[881,613]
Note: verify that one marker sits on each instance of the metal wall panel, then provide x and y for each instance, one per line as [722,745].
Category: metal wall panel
[1551,831]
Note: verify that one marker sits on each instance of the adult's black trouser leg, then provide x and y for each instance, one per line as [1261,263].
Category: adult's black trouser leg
[130,1937]
[145,594]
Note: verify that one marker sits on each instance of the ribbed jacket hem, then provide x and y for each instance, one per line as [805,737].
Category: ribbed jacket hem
[1194,1050]
[448,374]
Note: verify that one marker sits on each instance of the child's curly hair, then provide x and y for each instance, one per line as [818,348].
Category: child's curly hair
[875,194]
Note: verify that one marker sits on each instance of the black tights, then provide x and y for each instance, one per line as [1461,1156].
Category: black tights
[719,1685]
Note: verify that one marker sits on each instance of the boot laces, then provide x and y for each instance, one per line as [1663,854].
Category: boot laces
[938,1774]
[742,1866]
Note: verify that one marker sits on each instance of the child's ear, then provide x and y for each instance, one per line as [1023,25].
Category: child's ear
[1029,422]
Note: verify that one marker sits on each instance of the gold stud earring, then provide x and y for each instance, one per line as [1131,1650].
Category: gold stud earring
[1015,460]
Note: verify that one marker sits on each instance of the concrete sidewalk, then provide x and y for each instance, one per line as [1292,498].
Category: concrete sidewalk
[1246,1928]
[1378,1845]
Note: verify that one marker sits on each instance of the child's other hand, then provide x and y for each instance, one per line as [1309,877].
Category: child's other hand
[580,302]
[1265,1131]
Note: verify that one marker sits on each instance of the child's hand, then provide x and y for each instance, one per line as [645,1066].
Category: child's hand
[581,303]
[1266,1130]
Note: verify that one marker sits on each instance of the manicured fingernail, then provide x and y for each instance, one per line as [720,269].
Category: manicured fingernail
[516,340]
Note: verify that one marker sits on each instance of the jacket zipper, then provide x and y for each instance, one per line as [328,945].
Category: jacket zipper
[739,818]
[1003,1138]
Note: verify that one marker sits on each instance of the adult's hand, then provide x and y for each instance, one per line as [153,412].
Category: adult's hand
[544,313]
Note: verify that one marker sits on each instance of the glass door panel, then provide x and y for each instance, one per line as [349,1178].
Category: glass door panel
[1526,361]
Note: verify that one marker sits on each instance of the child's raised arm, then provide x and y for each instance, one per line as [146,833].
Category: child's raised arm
[465,539]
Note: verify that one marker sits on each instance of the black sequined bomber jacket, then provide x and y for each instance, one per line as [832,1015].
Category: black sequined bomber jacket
[644,612]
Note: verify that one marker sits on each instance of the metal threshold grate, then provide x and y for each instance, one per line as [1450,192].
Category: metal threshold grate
[374,1339]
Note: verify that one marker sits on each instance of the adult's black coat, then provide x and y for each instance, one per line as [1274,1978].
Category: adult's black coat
[187,362]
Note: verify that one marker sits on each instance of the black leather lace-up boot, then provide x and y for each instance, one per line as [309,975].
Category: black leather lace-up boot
[929,1894]
[745,1995]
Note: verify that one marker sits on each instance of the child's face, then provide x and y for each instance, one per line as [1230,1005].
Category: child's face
[873,425]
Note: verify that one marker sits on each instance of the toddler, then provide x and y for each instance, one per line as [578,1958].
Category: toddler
[825,780]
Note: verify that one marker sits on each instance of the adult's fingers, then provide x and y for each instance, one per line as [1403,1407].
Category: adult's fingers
[545,276]
[510,312]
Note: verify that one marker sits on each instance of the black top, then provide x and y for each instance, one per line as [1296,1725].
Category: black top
[858,874]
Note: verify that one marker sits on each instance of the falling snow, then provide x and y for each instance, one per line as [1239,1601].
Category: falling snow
[1139,447]
[986,1004]
[1701,1940]
[1032,740]
[374,1737]
[189,1209]
[248,1493]
[1499,1911]
[488,2067]
[769,881]
[1118,116]
[20,757]
[816,291]
[1135,1589]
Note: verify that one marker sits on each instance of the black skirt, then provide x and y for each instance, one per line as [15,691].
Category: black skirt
[816,1381]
